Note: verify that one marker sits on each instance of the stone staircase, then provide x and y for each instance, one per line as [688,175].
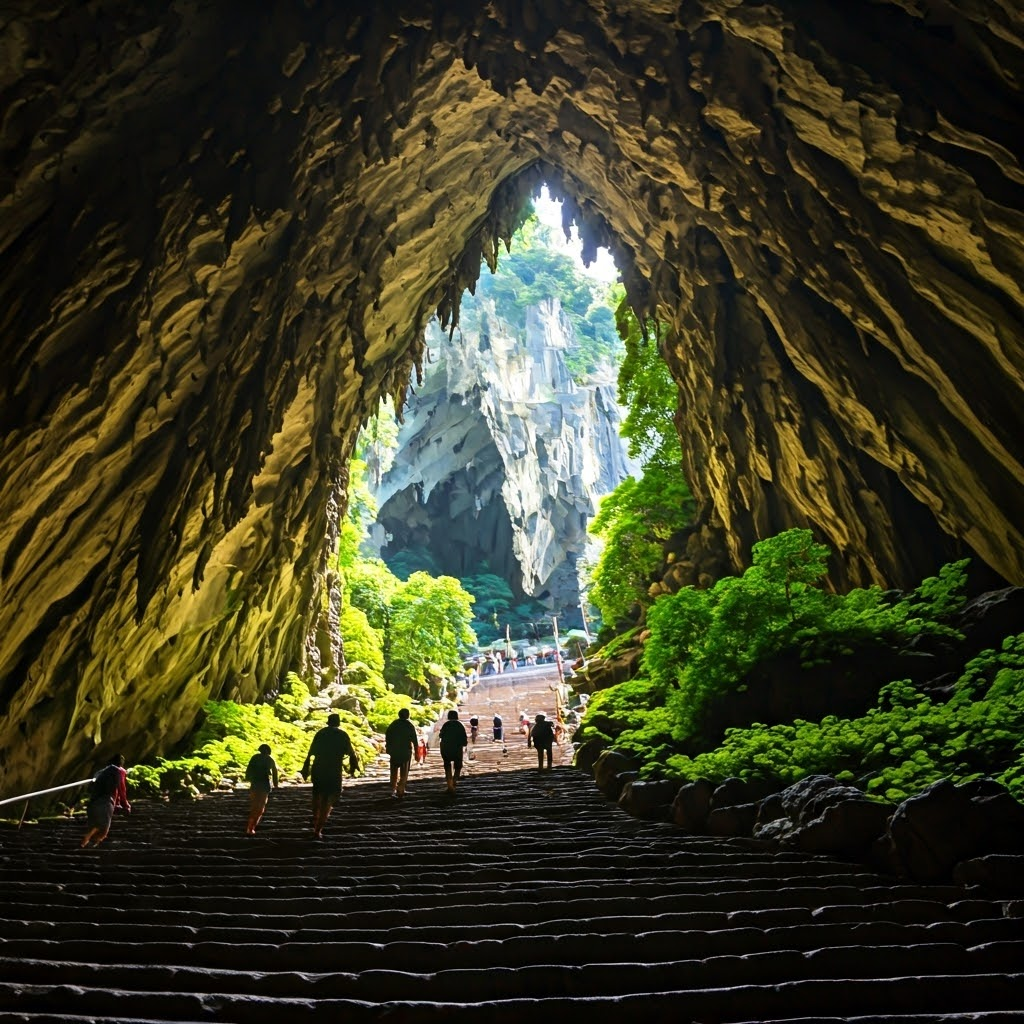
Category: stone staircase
[525,894]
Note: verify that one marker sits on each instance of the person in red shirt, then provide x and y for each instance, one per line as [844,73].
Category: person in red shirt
[109,791]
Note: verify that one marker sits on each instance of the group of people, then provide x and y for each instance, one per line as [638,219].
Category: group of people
[324,766]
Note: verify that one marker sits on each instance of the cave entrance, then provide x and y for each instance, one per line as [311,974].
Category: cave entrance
[511,439]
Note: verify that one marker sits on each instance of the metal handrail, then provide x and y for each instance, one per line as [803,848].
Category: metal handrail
[44,792]
[27,797]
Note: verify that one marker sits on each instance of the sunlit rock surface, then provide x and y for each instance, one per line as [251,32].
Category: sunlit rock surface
[222,234]
[502,457]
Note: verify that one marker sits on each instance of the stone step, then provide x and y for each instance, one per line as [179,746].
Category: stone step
[520,946]
[769,1002]
[548,979]
[381,912]
[526,894]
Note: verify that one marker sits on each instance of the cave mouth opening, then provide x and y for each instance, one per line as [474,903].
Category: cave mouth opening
[511,435]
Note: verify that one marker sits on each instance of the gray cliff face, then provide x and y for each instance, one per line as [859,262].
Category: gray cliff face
[502,457]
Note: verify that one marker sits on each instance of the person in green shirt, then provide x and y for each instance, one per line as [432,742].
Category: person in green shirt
[400,741]
[330,746]
[453,741]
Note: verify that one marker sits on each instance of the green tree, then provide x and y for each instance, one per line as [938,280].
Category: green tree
[430,624]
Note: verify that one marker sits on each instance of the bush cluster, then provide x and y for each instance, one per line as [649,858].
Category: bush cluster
[705,646]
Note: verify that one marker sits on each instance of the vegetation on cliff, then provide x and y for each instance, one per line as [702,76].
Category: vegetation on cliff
[636,519]
[536,270]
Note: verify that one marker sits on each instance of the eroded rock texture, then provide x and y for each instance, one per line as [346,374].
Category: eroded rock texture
[222,228]
[503,457]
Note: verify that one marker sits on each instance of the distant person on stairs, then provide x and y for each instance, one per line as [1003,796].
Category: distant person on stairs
[261,774]
[453,741]
[109,791]
[542,737]
[496,726]
[330,746]
[400,741]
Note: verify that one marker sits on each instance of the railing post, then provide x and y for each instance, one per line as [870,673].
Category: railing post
[24,813]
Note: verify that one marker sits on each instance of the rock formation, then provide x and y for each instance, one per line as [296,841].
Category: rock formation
[502,457]
[223,230]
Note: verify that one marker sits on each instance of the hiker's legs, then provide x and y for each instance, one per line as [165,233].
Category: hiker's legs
[257,805]
[403,776]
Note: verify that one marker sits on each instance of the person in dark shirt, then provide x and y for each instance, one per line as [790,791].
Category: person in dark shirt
[400,741]
[330,746]
[542,737]
[109,791]
[261,774]
[453,741]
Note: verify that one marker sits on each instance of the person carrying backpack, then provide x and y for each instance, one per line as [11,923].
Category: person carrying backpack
[542,737]
[109,791]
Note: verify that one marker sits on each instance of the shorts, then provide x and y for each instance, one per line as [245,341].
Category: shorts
[453,758]
[327,785]
[401,761]
[100,812]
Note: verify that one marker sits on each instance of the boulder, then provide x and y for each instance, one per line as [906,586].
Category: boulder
[648,799]
[849,826]
[692,805]
[730,792]
[821,815]
[999,873]
[588,752]
[932,832]
[607,769]
[736,820]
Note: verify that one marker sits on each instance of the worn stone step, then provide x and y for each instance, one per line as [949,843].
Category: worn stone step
[940,993]
[511,947]
[543,980]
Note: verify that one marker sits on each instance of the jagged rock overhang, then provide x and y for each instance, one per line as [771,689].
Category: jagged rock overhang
[220,239]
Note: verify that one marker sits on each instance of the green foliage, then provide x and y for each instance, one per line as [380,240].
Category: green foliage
[494,611]
[899,747]
[377,444]
[703,643]
[360,514]
[633,716]
[536,270]
[369,585]
[385,710]
[647,390]
[362,642]
[637,518]
[292,701]
[407,561]
[634,521]
[430,623]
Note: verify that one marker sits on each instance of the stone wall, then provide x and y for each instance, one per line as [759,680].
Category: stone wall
[224,226]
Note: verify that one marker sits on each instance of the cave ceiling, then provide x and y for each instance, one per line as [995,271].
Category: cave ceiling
[223,226]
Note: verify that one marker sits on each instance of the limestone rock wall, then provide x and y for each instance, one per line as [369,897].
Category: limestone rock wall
[223,227]
[502,456]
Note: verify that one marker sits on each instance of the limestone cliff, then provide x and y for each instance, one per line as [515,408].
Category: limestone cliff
[223,228]
[502,457]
